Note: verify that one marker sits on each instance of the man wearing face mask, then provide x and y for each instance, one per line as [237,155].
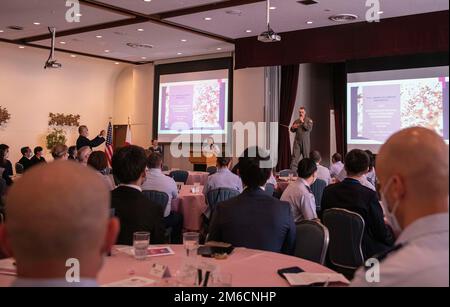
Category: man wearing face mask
[299,195]
[413,169]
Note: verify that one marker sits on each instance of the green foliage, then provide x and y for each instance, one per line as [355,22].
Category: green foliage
[56,136]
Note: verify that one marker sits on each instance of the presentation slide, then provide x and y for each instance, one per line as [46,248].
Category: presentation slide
[193,103]
[379,107]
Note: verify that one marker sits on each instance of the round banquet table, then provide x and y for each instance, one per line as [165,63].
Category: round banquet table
[201,177]
[191,206]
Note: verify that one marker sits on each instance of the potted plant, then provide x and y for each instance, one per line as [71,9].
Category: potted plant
[56,136]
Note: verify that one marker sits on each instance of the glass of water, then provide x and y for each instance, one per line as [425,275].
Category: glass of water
[191,243]
[141,241]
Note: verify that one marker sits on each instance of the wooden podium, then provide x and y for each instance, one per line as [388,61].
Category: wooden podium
[201,162]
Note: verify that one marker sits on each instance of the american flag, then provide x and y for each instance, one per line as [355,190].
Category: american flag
[109,144]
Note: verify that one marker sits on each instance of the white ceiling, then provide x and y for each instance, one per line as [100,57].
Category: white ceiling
[288,16]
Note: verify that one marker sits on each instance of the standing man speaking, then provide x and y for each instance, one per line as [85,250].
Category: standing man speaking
[302,144]
[84,141]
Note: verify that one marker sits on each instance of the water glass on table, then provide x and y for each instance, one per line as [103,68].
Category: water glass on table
[191,243]
[141,241]
[196,187]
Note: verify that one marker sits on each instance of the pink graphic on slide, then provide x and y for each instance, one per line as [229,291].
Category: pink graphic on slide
[180,106]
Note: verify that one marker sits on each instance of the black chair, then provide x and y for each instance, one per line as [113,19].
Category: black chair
[269,188]
[211,170]
[179,176]
[216,196]
[312,241]
[287,172]
[19,168]
[2,187]
[346,232]
[165,168]
[317,189]
[161,199]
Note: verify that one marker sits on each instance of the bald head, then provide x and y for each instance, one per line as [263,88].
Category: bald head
[420,157]
[55,212]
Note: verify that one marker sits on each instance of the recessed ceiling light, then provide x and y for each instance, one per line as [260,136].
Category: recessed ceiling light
[273,7]
[62,43]
[117,63]
[99,36]
[208,18]
[36,23]
[144,58]
[179,53]
[78,14]
[248,31]
[106,50]
[140,30]
[73,56]
[147,0]
[21,47]
[1,31]
[219,49]
[381,12]
[184,40]
[309,22]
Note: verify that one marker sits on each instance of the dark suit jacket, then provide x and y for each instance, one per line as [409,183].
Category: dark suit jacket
[255,220]
[8,172]
[26,163]
[34,161]
[137,213]
[84,141]
[351,195]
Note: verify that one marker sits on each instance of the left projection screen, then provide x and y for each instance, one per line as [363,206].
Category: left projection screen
[193,103]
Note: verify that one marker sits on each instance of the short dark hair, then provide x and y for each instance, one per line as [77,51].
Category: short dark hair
[357,162]
[337,157]
[315,155]
[72,150]
[98,160]
[24,150]
[80,129]
[306,168]
[37,149]
[372,159]
[252,174]
[223,161]
[154,160]
[128,163]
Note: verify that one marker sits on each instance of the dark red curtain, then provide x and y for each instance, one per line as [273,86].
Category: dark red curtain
[288,94]
[339,105]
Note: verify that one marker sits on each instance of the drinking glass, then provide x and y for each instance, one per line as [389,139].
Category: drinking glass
[191,242]
[141,241]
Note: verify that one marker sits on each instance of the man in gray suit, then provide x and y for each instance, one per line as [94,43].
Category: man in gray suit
[302,128]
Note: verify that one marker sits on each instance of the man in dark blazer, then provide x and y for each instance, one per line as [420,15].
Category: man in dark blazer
[254,219]
[350,194]
[84,141]
[26,157]
[38,156]
[134,210]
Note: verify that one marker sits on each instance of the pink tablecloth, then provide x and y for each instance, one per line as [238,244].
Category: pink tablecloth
[191,206]
[200,177]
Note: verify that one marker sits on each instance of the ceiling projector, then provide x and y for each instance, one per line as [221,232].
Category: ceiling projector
[269,37]
[52,64]
[51,61]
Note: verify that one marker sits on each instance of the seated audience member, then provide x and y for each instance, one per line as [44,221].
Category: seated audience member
[298,193]
[6,168]
[72,153]
[25,161]
[135,211]
[337,166]
[155,180]
[83,141]
[63,217]
[223,178]
[99,162]
[59,152]
[322,172]
[272,179]
[155,147]
[413,169]
[83,154]
[254,219]
[38,156]
[350,194]
[371,175]
[363,179]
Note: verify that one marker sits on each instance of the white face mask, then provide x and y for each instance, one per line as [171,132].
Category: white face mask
[390,215]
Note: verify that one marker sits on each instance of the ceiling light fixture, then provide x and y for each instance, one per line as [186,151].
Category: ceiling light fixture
[21,47]
[107,51]
[73,56]
[248,31]
[179,53]
[99,36]
[208,18]
[37,23]
[309,22]
[140,30]
[184,40]
[62,43]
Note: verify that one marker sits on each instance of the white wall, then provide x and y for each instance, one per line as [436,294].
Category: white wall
[83,86]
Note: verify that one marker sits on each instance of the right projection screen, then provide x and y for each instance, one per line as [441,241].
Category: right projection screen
[383,102]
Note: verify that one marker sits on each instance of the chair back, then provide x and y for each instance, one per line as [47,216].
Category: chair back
[179,176]
[317,189]
[157,197]
[346,232]
[165,168]
[19,168]
[287,172]
[312,241]
[269,188]
[216,196]
[2,187]
[211,170]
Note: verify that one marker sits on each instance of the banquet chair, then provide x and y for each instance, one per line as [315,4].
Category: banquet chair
[312,241]
[216,196]
[161,199]
[317,189]
[269,188]
[179,176]
[346,232]
[165,168]
[287,172]
[211,170]
[19,168]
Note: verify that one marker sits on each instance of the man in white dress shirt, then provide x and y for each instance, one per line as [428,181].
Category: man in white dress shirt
[337,166]
[322,172]
[413,169]
[298,193]
[66,216]
[155,180]
[223,178]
